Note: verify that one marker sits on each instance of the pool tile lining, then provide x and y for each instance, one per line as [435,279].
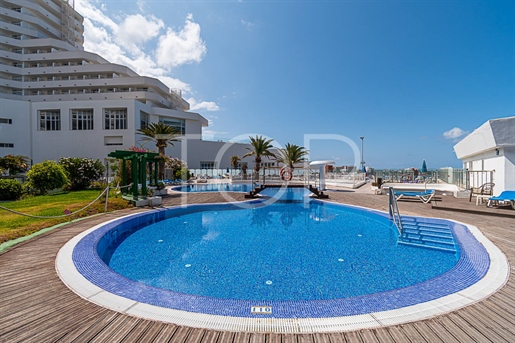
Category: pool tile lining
[496,276]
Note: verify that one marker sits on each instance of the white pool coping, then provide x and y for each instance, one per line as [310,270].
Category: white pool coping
[495,278]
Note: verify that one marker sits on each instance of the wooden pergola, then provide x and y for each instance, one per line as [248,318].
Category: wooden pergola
[139,162]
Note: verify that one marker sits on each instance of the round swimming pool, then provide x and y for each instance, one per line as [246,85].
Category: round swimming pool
[300,264]
[283,251]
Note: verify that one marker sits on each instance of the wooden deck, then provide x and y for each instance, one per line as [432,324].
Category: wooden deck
[35,306]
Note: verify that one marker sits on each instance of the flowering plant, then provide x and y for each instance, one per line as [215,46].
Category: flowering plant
[14,163]
[81,171]
[137,149]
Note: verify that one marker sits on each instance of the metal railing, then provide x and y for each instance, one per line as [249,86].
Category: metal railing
[463,178]
[394,210]
[476,178]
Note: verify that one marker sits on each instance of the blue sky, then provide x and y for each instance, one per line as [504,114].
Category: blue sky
[412,77]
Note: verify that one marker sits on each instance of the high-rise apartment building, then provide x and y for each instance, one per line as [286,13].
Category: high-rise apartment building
[57,100]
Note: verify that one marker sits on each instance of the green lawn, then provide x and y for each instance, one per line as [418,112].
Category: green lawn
[15,225]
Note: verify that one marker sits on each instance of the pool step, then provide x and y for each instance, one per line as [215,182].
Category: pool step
[427,235]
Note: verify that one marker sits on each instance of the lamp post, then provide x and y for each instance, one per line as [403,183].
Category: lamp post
[362,161]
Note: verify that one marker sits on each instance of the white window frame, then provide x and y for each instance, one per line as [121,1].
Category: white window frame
[81,119]
[115,118]
[144,120]
[207,165]
[178,123]
[49,120]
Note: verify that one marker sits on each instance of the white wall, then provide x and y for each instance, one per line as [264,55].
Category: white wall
[503,166]
[491,147]
[509,168]
[18,132]
[84,143]
[218,152]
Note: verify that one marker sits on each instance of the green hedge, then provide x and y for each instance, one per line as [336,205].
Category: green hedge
[10,189]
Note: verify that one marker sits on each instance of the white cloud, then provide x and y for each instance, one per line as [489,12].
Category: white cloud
[95,11]
[203,105]
[248,25]
[454,133]
[144,43]
[141,5]
[182,47]
[137,29]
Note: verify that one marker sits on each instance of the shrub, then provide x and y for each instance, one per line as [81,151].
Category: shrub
[46,176]
[14,163]
[179,168]
[10,189]
[81,172]
[182,174]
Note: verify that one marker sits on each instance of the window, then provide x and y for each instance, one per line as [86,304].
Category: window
[6,145]
[207,165]
[50,120]
[144,120]
[82,119]
[179,124]
[6,121]
[113,140]
[115,119]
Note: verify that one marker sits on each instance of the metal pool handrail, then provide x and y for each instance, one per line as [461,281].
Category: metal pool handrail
[394,210]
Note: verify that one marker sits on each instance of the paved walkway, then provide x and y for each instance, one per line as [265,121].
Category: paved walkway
[35,306]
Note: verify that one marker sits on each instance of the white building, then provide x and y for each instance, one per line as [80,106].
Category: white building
[57,100]
[490,148]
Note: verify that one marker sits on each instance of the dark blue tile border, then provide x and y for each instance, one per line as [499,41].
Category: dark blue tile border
[472,265]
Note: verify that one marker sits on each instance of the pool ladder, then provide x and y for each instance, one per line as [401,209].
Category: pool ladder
[394,211]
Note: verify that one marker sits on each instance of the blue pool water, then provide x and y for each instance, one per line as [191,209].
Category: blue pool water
[280,252]
[276,252]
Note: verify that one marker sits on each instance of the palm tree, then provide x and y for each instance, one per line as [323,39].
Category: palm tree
[292,154]
[234,161]
[163,134]
[260,147]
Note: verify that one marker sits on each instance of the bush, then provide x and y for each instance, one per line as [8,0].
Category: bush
[182,174]
[179,168]
[10,189]
[81,172]
[14,163]
[46,176]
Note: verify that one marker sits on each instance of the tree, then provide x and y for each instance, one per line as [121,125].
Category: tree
[14,163]
[260,147]
[163,135]
[81,171]
[46,176]
[179,168]
[291,154]
[234,161]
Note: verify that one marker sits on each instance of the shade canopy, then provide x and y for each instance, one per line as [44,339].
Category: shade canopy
[320,163]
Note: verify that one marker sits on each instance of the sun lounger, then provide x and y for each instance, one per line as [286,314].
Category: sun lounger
[505,197]
[424,196]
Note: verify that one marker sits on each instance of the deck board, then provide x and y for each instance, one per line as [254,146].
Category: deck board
[383,336]
[166,334]
[426,332]
[36,306]
[210,336]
